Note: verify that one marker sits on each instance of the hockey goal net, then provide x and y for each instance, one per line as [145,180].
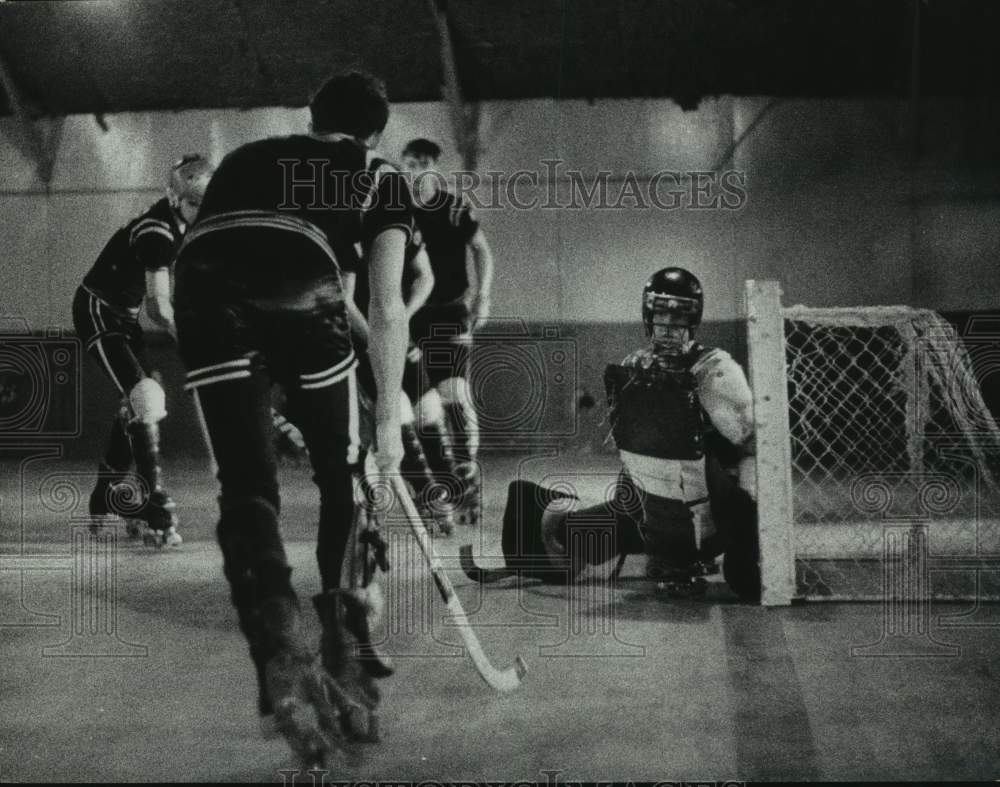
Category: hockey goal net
[878,459]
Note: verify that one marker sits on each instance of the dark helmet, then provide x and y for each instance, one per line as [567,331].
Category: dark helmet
[675,291]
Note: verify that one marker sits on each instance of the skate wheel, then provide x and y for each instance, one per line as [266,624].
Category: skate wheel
[693,589]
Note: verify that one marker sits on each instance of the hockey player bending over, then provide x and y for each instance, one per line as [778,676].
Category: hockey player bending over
[682,419]
[259,300]
[135,267]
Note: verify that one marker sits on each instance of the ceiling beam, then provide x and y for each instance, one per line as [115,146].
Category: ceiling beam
[465,123]
[37,144]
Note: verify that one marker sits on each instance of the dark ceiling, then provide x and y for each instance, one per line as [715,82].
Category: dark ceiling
[104,56]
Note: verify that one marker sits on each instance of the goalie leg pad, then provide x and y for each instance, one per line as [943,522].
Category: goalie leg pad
[668,531]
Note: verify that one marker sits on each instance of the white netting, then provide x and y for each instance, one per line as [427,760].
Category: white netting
[888,426]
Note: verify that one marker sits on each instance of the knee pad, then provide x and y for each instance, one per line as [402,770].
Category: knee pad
[455,390]
[148,401]
[430,409]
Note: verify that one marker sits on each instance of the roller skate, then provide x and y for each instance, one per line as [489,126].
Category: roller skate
[156,520]
[440,511]
[298,698]
[469,499]
[676,582]
[114,494]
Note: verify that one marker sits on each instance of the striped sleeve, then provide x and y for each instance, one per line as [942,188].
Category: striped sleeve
[149,226]
[153,243]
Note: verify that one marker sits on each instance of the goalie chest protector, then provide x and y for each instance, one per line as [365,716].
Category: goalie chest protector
[655,412]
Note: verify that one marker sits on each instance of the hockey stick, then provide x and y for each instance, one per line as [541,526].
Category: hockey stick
[501,680]
[203,425]
[482,575]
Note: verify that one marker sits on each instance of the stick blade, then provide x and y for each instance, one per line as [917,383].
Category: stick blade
[484,576]
[507,680]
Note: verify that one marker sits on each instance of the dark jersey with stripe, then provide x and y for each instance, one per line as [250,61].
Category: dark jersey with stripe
[277,197]
[447,226]
[147,243]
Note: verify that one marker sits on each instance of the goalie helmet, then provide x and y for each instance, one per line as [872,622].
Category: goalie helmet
[676,292]
[188,179]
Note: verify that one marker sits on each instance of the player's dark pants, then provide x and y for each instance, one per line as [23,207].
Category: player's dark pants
[235,347]
[257,305]
[435,330]
[114,339]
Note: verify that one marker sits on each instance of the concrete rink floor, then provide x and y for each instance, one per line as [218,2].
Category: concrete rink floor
[151,679]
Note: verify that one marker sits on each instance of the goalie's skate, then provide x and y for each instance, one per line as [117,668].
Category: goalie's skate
[683,587]
[676,582]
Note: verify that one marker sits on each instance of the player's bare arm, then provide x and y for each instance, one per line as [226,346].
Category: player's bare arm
[479,295]
[158,303]
[388,334]
[423,283]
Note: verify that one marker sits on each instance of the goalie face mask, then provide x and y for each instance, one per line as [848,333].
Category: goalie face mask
[670,335]
[672,298]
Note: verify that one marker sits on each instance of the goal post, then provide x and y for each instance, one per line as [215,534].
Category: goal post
[766,346]
[877,457]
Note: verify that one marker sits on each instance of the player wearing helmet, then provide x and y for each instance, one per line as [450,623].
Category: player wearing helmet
[135,267]
[666,399]
[682,419]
